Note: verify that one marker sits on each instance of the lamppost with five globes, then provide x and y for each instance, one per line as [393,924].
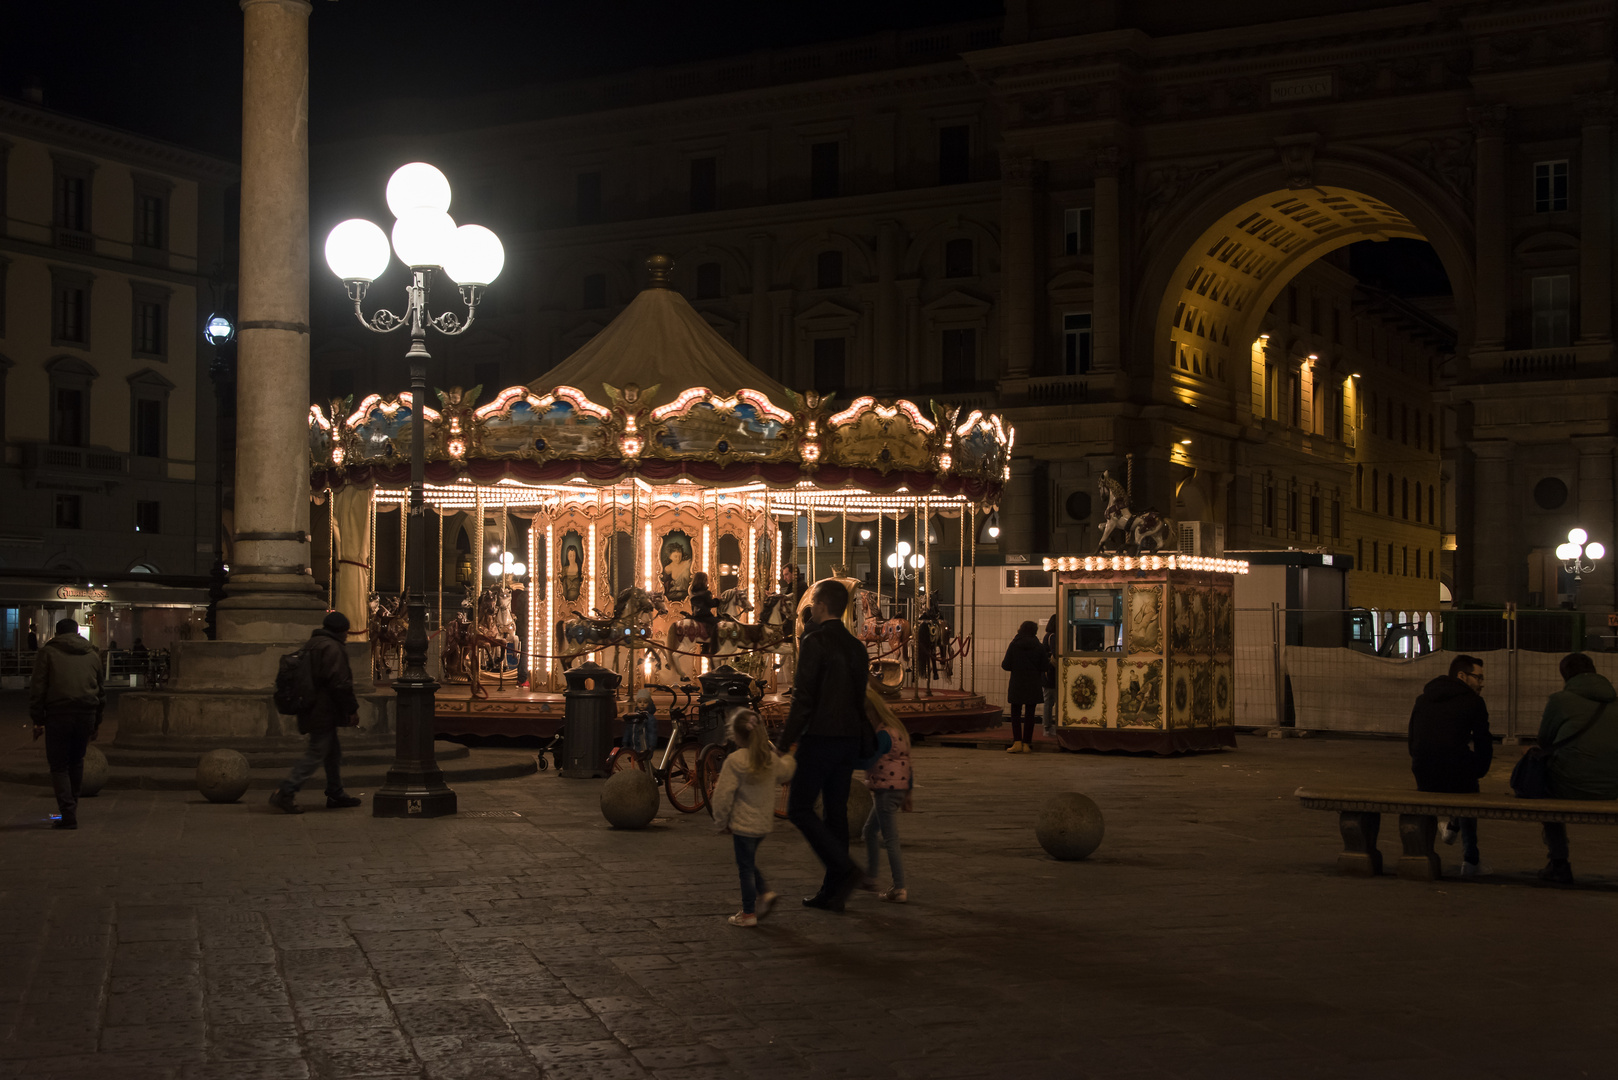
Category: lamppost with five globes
[426,239]
[1579,557]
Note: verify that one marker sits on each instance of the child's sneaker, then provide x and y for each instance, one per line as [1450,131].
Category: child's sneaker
[765,903]
[743,918]
[894,896]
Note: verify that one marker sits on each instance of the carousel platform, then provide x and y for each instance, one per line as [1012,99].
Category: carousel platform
[516,712]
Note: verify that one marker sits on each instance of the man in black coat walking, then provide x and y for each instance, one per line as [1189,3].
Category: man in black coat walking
[826,720]
[335,706]
[1450,745]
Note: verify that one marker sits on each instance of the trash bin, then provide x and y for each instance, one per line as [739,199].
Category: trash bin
[723,689]
[589,719]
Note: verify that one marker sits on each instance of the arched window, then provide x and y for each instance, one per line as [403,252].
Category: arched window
[829,270]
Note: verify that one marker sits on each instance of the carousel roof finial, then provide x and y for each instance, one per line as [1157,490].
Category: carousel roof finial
[658,269]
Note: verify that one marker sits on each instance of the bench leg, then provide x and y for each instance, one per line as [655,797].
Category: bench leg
[1419,863]
[1360,855]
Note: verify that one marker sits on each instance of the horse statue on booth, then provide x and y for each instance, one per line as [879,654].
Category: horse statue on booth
[723,638]
[633,610]
[1126,531]
[386,626]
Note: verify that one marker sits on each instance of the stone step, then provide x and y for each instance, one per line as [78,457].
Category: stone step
[382,753]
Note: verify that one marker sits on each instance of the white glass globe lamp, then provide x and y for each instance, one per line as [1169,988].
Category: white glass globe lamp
[1566,551]
[424,238]
[1577,536]
[357,250]
[476,257]
[893,562]
[1594,551]
[903,548]
[417,186]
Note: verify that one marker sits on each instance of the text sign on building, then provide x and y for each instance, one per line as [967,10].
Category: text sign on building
[68,592]
[1302,88]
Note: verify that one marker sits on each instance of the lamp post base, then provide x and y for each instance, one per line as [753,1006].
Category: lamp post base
[415,784]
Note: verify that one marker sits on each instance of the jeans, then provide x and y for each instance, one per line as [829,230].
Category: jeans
[747,866]
[1555,834]
[1022,730]
[323,749]
[1050,710]
[1469,837]
[825,771]
[884,819]
[67,737]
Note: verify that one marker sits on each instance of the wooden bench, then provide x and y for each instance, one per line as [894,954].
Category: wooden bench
[1360,810]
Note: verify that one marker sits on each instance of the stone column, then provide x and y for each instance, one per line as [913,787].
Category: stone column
[1017,509]
[1017,240]
[1105,317]
[1497,555]
[271,596]
[1594,501]
[1489,226]
[1595,220]
[760,326]
[887,364]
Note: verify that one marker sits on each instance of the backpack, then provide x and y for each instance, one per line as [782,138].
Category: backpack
[295,683]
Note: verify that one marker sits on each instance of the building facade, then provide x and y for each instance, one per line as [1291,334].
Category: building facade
[108,243]
[1120,225]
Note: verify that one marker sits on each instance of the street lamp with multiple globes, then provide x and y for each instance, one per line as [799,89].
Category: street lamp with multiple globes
[426,239]
[1579,557]
[902,562]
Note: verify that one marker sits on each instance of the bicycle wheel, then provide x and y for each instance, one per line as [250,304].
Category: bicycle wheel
[709,763]
[683,785]
[624,759]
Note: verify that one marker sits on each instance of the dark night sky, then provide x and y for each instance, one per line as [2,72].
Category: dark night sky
[172,68]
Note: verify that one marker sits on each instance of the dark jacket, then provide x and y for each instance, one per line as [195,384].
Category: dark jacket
[334,684]
[1586,767]
[67,673]
[1049,681]
[1027,661]
[1449,740]
[828,691]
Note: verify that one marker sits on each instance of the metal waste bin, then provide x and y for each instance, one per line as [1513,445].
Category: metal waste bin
[723,689]
[589,719]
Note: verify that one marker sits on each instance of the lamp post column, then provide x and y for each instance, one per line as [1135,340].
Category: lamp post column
[415,784]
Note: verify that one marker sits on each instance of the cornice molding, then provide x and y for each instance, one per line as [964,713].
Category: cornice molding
[85,137]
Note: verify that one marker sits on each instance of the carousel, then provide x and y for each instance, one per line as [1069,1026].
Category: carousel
[659,506]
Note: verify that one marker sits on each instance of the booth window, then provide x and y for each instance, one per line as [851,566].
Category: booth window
[1095,619]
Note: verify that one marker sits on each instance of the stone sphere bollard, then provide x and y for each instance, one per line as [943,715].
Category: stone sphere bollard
[95,771]
[1070,826]
[222,775]
[859,808]
[629,799]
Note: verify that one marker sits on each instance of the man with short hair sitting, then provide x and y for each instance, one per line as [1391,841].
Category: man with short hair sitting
[1579,730]
[1450,745]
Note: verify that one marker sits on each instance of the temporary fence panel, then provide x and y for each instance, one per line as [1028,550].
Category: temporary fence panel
[1257,652]
[1007,596]
[1349,690]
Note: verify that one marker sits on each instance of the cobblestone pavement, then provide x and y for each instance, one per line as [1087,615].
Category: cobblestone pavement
[1208,937]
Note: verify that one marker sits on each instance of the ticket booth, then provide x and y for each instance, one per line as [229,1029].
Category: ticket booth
[1145,660]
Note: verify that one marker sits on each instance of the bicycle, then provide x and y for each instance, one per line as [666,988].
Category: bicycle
[677,772]
[711,760]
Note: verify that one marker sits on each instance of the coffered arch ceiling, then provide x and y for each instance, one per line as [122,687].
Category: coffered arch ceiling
[1230,275]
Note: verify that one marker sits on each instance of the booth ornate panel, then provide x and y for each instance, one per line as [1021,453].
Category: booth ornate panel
[1182,621]
[1224,694]
[1202,707]
[1140,693]
[1201,622]
[1224,621]
[1084,686]
[1179,694]
[1146,618]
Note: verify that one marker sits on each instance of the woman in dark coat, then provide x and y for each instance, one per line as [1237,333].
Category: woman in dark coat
[1027,661]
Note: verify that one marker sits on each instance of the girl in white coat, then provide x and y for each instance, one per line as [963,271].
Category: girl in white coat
[744,806]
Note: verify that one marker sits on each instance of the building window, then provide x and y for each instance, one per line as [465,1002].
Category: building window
[829,270]
[1375,487]
[71,213]
[69,512]
[704,184]
[1337,519]
[67,416]
[1359,487]
[1552,325]
[1269,505]
[954,154]
[70,307]
[151,215]
[958,258]
[825,170]
[1376,556]
[148,516]
[1293,503]
[960,359]
[1404,499]
[149,307]
[1404,562]
[1359,553]
[594,292]
[149,428]
[587,199]
[1390,494]
[1431,518]
[1314,515]
[3,265]
[1550,186]
[708,281]
[1076,230]
[830,355]
[1076,343]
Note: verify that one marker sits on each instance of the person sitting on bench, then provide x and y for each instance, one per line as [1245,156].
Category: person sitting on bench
[1450,745]
[1583,747]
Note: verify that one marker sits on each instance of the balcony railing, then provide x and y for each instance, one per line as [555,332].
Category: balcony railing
[73,459]
[1561,362]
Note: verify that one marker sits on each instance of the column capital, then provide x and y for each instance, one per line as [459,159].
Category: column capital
[1488,121]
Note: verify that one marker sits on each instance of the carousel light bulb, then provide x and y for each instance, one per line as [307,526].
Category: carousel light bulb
[417,186]
[1577,536]
[476,257]
[424,238]
[357,250]
[1595,551]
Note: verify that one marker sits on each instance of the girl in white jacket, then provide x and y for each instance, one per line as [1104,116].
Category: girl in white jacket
[744,806]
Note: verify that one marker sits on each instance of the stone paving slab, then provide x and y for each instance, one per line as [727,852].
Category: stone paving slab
[1209,936]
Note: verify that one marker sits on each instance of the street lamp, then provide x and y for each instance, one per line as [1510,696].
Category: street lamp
[425,238]
[1579,557]
[902,562]
[506,566]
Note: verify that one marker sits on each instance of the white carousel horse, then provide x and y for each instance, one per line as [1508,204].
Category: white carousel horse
[731,603]
[1150,531]
[632,612]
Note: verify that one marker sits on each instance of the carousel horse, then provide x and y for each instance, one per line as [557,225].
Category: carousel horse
[749,647]
[1126,531]
[496,628]
[934,657]
[1149,532]
[632,612]
[731,603]
[386,629]
[460,640]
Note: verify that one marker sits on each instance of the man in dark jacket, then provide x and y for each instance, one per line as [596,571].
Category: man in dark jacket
[65,700]
[826,721]
[1580,729]
[335,706]
[1450,745]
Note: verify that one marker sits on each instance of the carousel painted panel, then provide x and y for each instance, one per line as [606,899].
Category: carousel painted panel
[521,424]
[1202,693]
[1223,618]
[979,446]
[882,437]
[1223,678]
[1084,692]
[1139,701]
[704,426]
[378,430]
[1180,696]
[1146,630]
[1188,619]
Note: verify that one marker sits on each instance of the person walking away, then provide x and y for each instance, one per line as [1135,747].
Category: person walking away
[1028,661]
[889,776]
[335,706]
[744,806]
[825,725]
[1450,745]
[1580,731]
[1050,642]
[65,699]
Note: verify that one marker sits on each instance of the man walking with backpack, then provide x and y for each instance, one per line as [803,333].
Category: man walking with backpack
[65,699]
[329,683]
